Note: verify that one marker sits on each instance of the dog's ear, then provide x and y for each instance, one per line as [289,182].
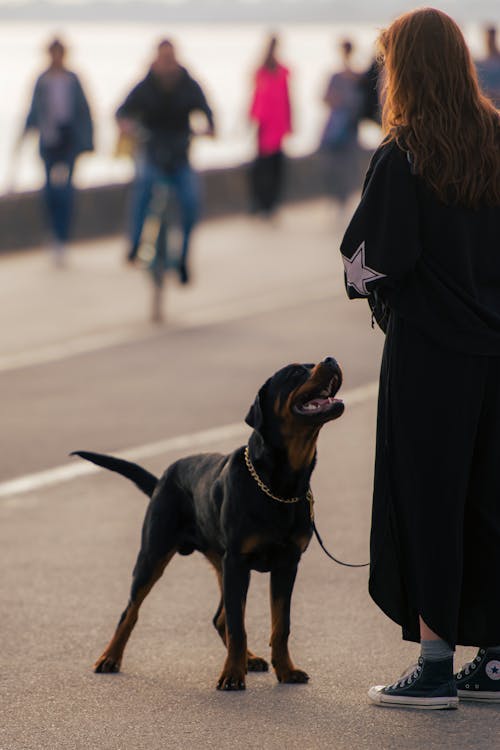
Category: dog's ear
[255,416]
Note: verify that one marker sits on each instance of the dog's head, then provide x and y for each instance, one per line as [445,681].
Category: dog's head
[293,405]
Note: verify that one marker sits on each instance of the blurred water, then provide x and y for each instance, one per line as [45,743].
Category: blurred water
[111,57]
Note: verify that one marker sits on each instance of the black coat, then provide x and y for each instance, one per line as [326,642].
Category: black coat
[164,112]
[435,541]
[437,266]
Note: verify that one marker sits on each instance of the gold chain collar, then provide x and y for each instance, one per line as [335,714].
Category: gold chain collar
[265,489]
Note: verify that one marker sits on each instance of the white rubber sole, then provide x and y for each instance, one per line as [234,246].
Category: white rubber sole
[376,695]
[483,696]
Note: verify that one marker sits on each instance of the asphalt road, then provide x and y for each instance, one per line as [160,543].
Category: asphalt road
[82,368]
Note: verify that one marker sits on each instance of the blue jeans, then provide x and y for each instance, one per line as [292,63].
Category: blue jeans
[185,184]
[58,193]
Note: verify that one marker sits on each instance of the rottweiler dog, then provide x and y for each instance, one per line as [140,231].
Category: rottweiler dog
[248,510]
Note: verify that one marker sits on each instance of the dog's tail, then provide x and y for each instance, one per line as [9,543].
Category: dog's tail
[142,478]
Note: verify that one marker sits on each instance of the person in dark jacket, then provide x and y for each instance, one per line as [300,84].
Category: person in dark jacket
[157,112]
[423,246]
[60,112]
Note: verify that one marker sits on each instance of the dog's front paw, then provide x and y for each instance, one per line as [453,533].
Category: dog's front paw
[231,683]
[232,680]
[106,665]
[292,676]
[257,664]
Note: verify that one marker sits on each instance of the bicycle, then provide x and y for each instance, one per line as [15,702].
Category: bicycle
[154,249]
[154,252]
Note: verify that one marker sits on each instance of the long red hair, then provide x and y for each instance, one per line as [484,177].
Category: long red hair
[433,106]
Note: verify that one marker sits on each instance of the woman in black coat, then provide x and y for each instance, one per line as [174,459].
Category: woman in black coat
[424,248]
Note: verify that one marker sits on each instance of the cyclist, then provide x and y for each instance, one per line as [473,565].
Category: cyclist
[157,113]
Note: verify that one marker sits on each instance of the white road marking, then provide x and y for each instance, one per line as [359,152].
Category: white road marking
[236,309]
[65,349]
[194,440]
[274,300]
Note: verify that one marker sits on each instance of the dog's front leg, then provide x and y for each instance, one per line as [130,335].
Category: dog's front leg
[282,581]
[235,581]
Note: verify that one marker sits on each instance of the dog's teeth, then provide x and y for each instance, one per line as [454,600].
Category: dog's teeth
[311,405]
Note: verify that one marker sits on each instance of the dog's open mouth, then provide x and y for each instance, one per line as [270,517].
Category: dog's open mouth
[320,403]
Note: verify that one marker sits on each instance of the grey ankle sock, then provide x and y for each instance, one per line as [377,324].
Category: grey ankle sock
[436,650]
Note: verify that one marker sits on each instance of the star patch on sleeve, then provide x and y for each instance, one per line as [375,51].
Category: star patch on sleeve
[358,273]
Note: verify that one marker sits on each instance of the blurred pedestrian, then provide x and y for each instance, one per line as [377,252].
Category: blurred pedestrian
[60,112]
[339,141]
[270,109]
[423,246]
[157,112]
[488,69]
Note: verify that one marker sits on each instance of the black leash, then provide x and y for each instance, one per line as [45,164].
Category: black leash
[328,554]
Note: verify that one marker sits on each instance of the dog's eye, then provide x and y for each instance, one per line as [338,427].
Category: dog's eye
[295,374]
[304,370]
[299,371]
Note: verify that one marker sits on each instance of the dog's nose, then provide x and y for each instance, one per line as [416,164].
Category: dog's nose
[334,368]
[330,361]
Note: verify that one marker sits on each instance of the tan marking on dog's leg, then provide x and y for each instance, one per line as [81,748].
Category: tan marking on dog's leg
[280,655]
[235,667]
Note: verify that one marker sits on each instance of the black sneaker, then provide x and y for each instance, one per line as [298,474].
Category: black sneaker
[429,684]
[479,679]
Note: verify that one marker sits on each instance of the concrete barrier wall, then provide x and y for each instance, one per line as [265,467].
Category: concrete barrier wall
[101,211]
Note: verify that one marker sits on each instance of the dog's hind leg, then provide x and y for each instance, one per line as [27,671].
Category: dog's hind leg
[145,576]
[254,663]
[159,545]
[219,621]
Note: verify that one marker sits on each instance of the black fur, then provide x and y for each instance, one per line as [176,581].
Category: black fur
[211,503]
[139,476]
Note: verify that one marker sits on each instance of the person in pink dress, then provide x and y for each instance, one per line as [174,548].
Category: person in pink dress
[270,110]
